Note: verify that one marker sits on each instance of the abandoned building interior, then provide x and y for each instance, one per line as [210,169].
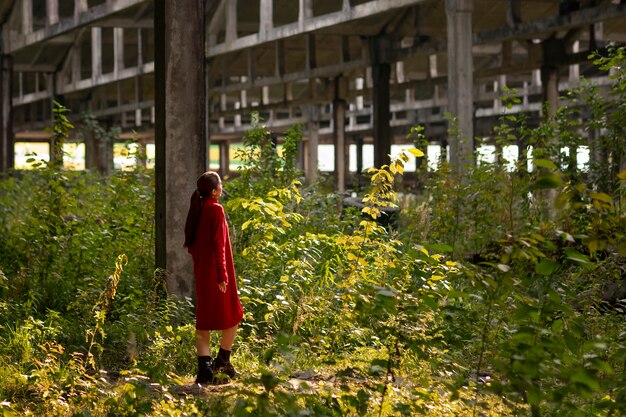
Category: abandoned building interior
[181,80]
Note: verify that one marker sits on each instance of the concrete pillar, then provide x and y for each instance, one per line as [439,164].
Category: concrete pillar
[118,50]
[98,145]
[180,133]
[80,6]
[231,21]
[313,133]
[460,80]
[224,158]
[266,18]
[381,73]
[27,16]
[550,89]
[7,151]
[359,160]
[52,12]
[553,55]
[339,137]
[339,134]
[96,53]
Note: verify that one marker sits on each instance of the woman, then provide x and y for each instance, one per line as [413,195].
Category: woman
[217,302]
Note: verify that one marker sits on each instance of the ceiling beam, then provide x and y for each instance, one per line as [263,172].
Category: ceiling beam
[311,24]
[87,17]
[533,28]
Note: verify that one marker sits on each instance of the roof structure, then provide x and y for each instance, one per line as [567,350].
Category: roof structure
[279,57]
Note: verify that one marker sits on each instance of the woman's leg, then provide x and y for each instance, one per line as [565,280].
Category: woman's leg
[228,338]
[222,364]
[203,348]
[203,342]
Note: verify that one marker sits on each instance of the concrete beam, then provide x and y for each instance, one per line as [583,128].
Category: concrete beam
[83,16]
[583,17]
[307,23]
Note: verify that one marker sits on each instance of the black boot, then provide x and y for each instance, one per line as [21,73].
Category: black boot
[205,373]
[222,365]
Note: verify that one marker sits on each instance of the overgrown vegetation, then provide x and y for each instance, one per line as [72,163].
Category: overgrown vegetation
[499,293]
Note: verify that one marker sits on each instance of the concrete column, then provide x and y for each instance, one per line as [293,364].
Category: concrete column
[180,133]
[553,55]
[96,53]
[460,80]
[266,18]
[224,158]
[339,137]
[52,12]
[381,73]
[91,152]
[27,16]
[80,6]
[76,64]
[313,133]
[550,89]
[118,50]
[300,156]
[231,21]
[359,160]
[7,151]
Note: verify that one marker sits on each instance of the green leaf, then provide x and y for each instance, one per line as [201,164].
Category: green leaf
[546,267]
[458,294]
[546,181]
[545,163]
[583,376]
[571,341]
[557,326]
[601,197]
[575,256]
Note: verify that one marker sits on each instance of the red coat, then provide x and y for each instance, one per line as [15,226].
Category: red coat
[213,263]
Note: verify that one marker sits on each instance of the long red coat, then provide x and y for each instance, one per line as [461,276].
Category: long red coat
[212,264]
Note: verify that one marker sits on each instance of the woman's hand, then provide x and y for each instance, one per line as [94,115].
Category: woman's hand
[222,286]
